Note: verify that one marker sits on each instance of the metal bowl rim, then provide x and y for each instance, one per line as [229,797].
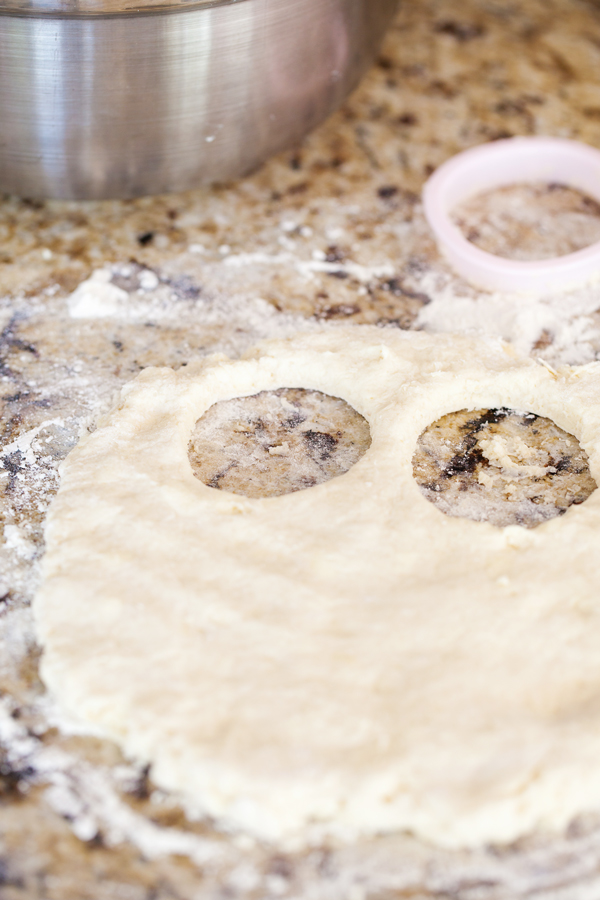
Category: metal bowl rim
[95,9]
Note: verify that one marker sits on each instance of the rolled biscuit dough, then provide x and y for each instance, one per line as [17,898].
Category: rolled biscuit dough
[345,658]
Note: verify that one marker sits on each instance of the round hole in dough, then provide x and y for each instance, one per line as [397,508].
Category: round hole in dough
[501,466]
[342,660]
[276,442]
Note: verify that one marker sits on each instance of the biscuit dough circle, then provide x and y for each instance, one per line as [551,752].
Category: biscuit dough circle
[344,658]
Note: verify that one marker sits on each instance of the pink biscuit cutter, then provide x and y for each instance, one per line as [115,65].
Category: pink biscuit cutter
[499,164]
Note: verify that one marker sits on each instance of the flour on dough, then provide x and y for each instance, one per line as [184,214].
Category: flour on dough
[347,658]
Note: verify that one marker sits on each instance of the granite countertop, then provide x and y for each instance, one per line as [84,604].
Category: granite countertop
[330,232]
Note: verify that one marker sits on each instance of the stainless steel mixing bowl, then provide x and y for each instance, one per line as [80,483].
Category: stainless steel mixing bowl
[109,98]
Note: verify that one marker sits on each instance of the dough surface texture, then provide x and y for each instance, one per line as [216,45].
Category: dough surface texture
[345,658]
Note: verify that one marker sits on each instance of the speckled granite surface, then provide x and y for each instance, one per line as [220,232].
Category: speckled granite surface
[330,231]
